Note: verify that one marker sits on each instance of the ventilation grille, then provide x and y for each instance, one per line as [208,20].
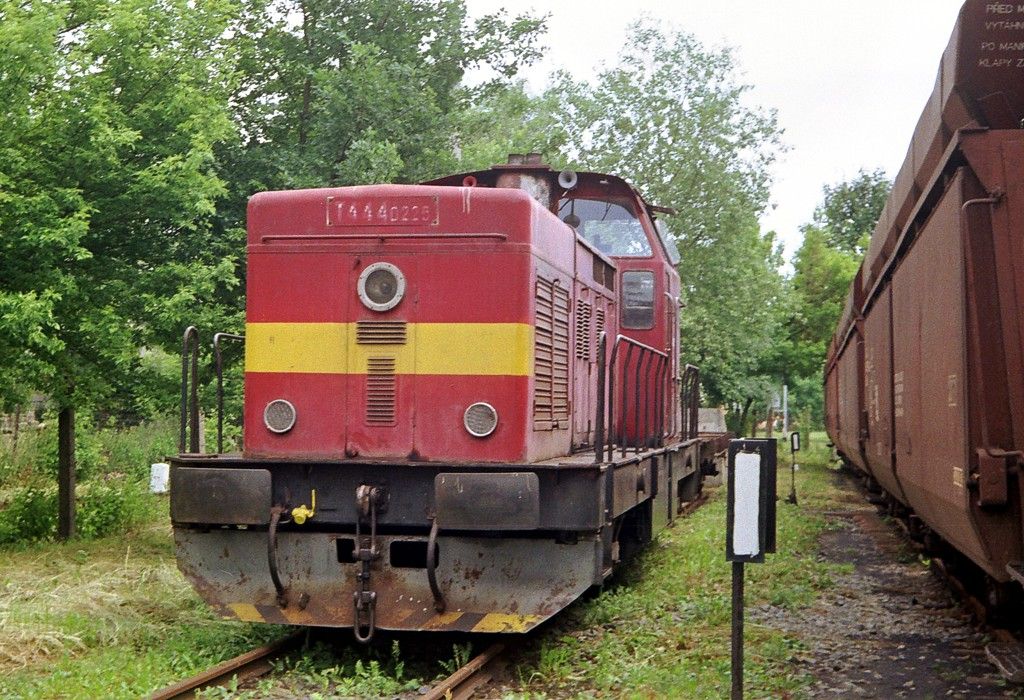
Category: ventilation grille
[584,346]
[598,322]
[551,356]
[381,332]
[380,391]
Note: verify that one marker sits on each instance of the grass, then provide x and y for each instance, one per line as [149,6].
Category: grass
[663,629]
[106,614]
[113,618]
[106,618]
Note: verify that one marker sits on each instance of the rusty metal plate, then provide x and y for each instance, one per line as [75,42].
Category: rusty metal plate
[213,496]
[848,409]
[490,584]
[992,480]
[487,501]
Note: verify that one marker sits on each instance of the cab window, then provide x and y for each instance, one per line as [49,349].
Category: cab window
[667,241]
[610,226]
[638,299]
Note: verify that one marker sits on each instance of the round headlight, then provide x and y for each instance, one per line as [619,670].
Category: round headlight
[381,286]
[480,419]
[279,416]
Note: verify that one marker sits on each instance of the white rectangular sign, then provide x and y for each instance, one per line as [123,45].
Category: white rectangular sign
[747,483]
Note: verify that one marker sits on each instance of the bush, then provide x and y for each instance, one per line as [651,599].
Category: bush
[30,515]
[107,508]
[130,451]
[112,473]
[101,509]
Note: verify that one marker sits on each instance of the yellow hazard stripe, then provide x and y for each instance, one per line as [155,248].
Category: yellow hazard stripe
[506,622]
[246,612]
[442,621]
[504,349]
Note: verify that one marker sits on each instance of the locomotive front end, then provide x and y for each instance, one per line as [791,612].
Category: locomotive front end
[394,365]
[430,438]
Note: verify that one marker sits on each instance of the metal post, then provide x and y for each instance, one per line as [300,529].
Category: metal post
[785,409]
[66,473]
[793,447]
[792,479]
[737,630]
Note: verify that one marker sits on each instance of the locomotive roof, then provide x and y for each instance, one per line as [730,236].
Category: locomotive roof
[489,177]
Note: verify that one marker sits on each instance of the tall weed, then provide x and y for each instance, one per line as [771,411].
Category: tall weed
[112,468]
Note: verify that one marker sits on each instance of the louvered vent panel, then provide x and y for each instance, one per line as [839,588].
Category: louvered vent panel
[380,391]
[551,353]
[584,347]
[381,332]
[542,355]
[598,323]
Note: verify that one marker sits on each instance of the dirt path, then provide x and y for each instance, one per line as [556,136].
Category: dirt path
[888,629]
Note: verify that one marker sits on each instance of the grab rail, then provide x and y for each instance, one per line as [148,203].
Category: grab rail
[689,401]
[189,391]
[219,367]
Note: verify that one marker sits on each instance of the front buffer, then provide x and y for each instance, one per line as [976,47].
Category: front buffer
[411,547]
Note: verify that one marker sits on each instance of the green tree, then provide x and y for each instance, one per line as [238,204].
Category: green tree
[821,281]
[341,93]
[849,210]
[43,218]
[507,119]
[108,188]
[823,270]
[672,118]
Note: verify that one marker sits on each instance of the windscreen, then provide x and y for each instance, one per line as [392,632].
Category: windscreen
[610,226]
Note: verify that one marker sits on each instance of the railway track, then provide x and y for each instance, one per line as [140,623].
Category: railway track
[1006,651]
[460,685]
[252,664]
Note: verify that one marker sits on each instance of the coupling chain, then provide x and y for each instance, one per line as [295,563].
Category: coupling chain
[364,601]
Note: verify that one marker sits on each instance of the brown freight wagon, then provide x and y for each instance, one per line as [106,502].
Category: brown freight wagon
[924,380]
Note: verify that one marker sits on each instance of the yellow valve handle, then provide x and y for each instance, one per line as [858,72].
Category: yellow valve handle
[300,514]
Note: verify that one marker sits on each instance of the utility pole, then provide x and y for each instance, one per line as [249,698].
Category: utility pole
[66,473]
[785,409]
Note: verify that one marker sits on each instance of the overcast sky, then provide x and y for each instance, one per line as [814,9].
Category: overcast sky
[848,78]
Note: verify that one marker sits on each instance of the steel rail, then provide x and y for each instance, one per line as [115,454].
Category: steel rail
[461,684]
[252,664]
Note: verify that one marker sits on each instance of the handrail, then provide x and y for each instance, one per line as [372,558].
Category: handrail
[189,390]
[689,401]
[219,367]
[660,388]
[651,364]
[602,353]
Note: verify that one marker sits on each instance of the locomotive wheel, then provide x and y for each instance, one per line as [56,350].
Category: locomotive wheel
[916,527]
[635,531]
[1000,597]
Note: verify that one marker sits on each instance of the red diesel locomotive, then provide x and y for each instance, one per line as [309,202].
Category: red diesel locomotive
[924,383]
[463,405]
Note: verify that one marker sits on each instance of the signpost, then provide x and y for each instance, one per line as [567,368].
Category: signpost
[750,527]
[794,447]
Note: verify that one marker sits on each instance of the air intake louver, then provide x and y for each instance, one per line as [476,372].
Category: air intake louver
[551,356]
[381,332]
[380,391]
[584,348]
